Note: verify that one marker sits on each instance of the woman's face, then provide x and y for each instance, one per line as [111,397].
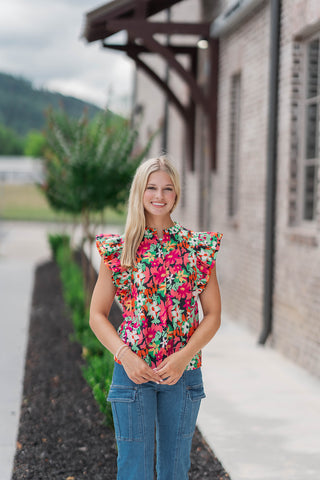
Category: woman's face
[159,196]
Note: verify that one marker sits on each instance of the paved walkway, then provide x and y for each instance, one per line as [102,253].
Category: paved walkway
[261,415]
[21,247]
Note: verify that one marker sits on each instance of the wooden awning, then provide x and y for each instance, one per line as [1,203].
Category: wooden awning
[133,16]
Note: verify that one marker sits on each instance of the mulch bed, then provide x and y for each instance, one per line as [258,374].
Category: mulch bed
[62,434]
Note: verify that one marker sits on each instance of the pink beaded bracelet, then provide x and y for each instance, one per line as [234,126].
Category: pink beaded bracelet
[120,350]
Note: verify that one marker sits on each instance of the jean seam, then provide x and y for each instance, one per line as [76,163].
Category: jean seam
[178,442]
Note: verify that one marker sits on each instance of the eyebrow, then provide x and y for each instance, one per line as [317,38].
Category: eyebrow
[167,185]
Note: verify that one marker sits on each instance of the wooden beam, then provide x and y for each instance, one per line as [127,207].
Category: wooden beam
[161,83]
[138,49]
[195,91]
[150,28]
[213,99]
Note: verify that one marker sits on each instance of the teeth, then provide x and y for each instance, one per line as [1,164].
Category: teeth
[158,204]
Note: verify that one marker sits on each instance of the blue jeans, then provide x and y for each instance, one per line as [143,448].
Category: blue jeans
[139,410]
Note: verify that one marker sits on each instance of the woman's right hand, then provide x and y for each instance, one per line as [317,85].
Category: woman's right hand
[137,369]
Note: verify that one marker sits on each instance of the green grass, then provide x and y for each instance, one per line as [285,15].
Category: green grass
[27,202]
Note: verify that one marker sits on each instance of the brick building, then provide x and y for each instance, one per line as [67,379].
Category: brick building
[262,189]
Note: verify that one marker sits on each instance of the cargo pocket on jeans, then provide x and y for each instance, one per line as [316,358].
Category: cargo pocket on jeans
[194,395]
[126,410]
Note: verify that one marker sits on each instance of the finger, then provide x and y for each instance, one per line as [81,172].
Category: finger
[152,376]
[161,370]
[160,367]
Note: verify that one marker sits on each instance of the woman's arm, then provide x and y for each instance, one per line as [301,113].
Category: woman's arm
[173,366]
[103,295]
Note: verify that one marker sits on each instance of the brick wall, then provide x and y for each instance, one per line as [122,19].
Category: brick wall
[246,51]
[297,284]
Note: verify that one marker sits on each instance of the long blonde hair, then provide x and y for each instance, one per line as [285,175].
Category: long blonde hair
[136,221]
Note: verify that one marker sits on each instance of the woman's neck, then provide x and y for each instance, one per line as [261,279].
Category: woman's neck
[159,223]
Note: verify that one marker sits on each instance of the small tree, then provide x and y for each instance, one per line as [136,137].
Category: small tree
[35,144]
[88,166]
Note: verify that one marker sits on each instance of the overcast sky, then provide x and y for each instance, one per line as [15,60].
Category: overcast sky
[41,41]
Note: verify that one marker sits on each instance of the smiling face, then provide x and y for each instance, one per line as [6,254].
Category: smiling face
[159,196]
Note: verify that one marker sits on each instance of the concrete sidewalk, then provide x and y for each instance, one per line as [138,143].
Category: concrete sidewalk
[22,246]
[261,416]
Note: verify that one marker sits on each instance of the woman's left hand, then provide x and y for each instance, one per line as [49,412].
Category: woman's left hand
[172,368]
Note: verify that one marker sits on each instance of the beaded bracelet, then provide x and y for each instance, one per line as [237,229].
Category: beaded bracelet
[123,351]
[120,349]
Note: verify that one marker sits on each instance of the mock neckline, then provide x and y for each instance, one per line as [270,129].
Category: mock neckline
[175,228]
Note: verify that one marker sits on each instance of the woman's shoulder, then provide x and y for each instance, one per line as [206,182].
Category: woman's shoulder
[201,239]
[109,244]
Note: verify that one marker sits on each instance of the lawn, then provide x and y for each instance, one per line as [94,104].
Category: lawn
[27,202]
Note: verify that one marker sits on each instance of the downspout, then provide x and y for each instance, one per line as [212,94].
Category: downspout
[275,30]
[165,127]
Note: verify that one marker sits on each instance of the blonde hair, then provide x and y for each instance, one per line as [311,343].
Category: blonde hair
[136,221]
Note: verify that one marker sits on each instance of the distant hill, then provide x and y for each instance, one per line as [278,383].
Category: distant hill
[22,106]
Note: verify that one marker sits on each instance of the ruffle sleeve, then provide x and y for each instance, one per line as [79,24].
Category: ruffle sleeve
[206,247]
[110,248]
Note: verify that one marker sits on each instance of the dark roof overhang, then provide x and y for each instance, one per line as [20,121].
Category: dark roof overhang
[133,17]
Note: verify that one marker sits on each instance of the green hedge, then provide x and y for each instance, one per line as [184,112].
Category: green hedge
[99,361]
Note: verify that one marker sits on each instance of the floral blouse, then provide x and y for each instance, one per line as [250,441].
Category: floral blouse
[159,294]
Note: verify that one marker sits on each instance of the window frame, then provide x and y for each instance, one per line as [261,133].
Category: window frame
[234,146]
[303,161]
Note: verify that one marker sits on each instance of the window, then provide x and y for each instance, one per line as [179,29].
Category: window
[234,141]
[310,151]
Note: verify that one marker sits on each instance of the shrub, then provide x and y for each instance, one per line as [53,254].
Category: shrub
[99,361]
[56,240]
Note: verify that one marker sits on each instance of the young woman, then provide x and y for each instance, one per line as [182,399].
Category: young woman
[157,270]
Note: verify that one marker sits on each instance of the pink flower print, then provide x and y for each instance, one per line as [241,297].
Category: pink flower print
[164,306]
[173,257]
[159,273]
[203,267]
[114,265]
[184,291]
[134,291]
[175,268]
[160,355]
[150,333]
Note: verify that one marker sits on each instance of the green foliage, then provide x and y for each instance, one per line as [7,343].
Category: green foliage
[22,106]
[35,144]
[56,241]
[89,165]
[99,361]
[98,374]
[10,142]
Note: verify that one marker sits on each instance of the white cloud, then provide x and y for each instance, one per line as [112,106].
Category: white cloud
[41,40]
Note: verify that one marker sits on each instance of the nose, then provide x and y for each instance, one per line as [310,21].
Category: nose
[159,194]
